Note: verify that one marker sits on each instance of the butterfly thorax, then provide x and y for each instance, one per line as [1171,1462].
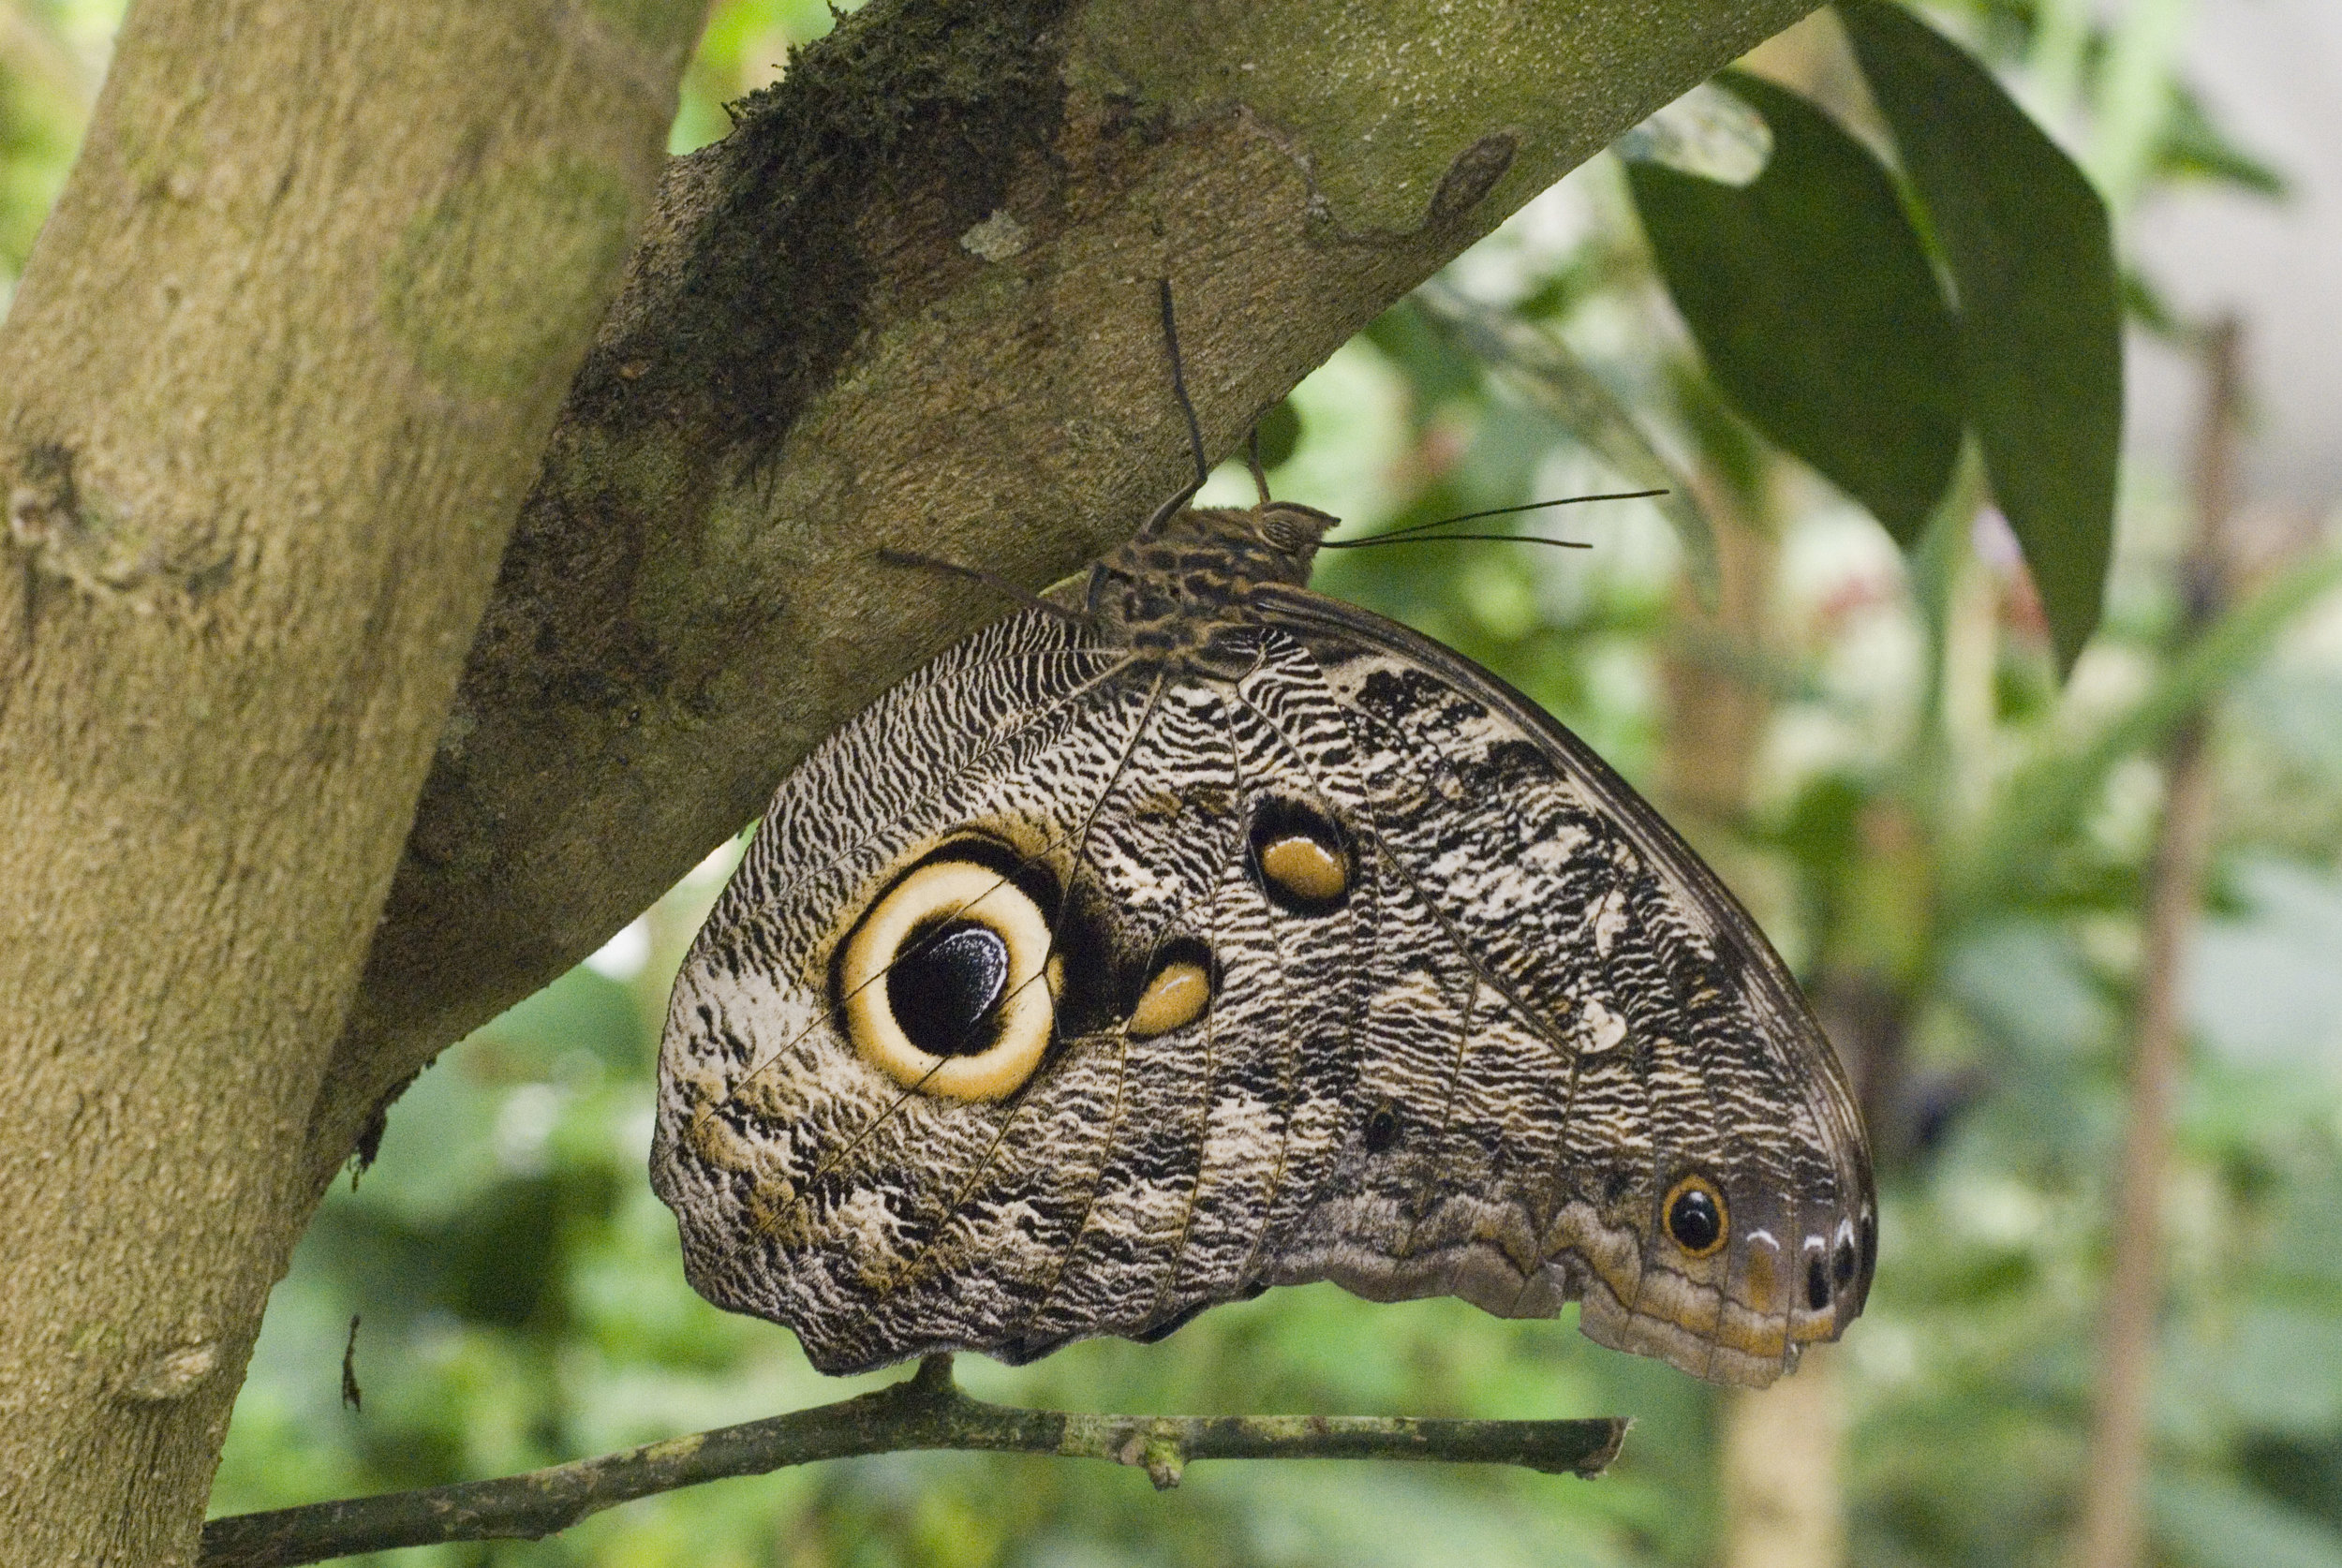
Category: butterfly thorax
[1178,592]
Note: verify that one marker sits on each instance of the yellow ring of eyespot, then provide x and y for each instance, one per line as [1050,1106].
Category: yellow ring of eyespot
[1304,868]
[1724,1215]
[951,889]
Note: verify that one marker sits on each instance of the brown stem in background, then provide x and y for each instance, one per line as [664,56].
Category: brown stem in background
[1783,1502]
[2114,1530]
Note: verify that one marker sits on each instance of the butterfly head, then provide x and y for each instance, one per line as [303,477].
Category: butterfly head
[1291,531]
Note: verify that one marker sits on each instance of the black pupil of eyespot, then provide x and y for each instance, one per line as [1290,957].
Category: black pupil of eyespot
[1382,1128]
[1694,1221]
[1842,1265]
[944,986]
[1816,1283]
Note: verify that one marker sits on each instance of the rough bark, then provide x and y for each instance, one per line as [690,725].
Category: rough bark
[278,376]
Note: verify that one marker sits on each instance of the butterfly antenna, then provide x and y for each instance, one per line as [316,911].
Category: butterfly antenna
[1453,538]
[1251,461]
[1404,536]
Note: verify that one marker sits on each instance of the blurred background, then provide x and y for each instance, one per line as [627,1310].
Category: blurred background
[1974,871]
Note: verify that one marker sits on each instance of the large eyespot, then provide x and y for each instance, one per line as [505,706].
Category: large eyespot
[1301,857]
[1695,1215]
[947,986]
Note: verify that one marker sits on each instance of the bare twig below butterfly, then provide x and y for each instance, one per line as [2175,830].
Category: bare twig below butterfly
[926,1411]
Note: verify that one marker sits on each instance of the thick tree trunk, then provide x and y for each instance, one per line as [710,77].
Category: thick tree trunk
[284,364]
[278,375]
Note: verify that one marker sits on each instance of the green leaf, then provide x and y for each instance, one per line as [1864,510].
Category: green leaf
[2032,260]
[1812,299]
[2195,147]
[1278,432]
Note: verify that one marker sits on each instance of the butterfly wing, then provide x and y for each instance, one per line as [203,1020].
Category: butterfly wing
[806,1174]
[1585,1073]
[1064,993]
[888,1203]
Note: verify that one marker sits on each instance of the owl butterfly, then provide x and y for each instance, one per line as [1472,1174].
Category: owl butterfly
[1204,934]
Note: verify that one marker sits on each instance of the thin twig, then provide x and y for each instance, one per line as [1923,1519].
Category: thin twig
[926,1411]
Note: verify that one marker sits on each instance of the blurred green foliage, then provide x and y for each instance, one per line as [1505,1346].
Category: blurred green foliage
[52,53]
[1931,828]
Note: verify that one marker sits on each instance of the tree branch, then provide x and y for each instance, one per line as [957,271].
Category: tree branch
[910,303]
[926,1411]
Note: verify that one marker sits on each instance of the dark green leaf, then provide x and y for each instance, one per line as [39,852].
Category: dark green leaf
[1814,304]
[2032,259]
[1278,432]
